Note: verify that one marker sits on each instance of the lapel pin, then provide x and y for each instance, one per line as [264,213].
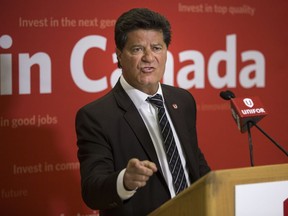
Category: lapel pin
[175,106]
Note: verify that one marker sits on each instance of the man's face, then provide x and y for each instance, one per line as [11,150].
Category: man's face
[143,59]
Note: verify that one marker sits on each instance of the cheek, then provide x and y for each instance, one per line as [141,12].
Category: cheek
[162,58]
[162,62]
[129,66]
[130,61]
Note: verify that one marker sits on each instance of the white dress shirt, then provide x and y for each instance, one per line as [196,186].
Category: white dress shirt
[149,114]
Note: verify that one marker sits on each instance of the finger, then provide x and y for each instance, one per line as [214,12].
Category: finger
[136,167]
[132,181]
[133,176]
[150,165]
[133,162]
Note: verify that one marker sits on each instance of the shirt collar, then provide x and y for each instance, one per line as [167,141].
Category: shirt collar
[138,97]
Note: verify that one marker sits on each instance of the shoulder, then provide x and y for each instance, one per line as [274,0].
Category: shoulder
[176,92]
[99,102]
[108,102]
[98,109]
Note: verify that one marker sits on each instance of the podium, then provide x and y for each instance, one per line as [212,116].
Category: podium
[214,194]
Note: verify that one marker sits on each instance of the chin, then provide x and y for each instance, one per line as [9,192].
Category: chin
[148,83]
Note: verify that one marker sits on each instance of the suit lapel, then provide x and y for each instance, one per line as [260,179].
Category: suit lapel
[136,123]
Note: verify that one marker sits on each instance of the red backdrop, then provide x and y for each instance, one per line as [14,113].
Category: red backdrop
[56,56]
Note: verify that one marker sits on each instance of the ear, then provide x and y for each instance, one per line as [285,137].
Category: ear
[118,53]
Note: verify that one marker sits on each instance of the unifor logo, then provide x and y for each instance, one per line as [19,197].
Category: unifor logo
[248,102]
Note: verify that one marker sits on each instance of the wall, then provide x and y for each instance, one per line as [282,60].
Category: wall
[56,56]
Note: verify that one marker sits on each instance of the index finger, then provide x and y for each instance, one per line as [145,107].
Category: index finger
[149,165]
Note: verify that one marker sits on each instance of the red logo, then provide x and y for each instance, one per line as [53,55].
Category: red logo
[286,207]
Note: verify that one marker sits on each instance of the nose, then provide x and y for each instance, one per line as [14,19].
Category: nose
[148,56]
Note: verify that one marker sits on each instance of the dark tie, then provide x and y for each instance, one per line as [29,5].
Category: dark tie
[175,165]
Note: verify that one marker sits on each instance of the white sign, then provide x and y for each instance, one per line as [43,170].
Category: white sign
[261,199]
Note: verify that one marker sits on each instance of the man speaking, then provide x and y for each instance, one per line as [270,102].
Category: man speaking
[137,145]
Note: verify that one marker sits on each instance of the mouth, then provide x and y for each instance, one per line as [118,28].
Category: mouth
[147,69]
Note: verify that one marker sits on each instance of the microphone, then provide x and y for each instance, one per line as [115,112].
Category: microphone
[244,109]
[246,112]
[227,95]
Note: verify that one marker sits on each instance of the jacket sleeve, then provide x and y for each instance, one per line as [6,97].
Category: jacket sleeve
[98,176]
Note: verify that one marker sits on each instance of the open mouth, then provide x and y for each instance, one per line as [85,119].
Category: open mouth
[147,69]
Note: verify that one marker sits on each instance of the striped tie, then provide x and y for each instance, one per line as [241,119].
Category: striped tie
[175,165]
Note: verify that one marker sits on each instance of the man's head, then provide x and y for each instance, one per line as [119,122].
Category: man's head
[140,18]
[142,39]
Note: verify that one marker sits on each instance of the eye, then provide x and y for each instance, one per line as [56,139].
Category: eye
[136,50]
[157,48]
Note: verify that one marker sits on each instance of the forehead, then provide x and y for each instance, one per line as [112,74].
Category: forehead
[145,35]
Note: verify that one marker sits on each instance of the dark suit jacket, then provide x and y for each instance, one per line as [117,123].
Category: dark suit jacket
[110,132]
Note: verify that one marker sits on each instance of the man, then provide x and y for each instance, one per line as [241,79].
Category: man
[122,152]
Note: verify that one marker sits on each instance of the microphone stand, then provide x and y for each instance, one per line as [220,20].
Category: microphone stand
[265,134]
[250,143]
